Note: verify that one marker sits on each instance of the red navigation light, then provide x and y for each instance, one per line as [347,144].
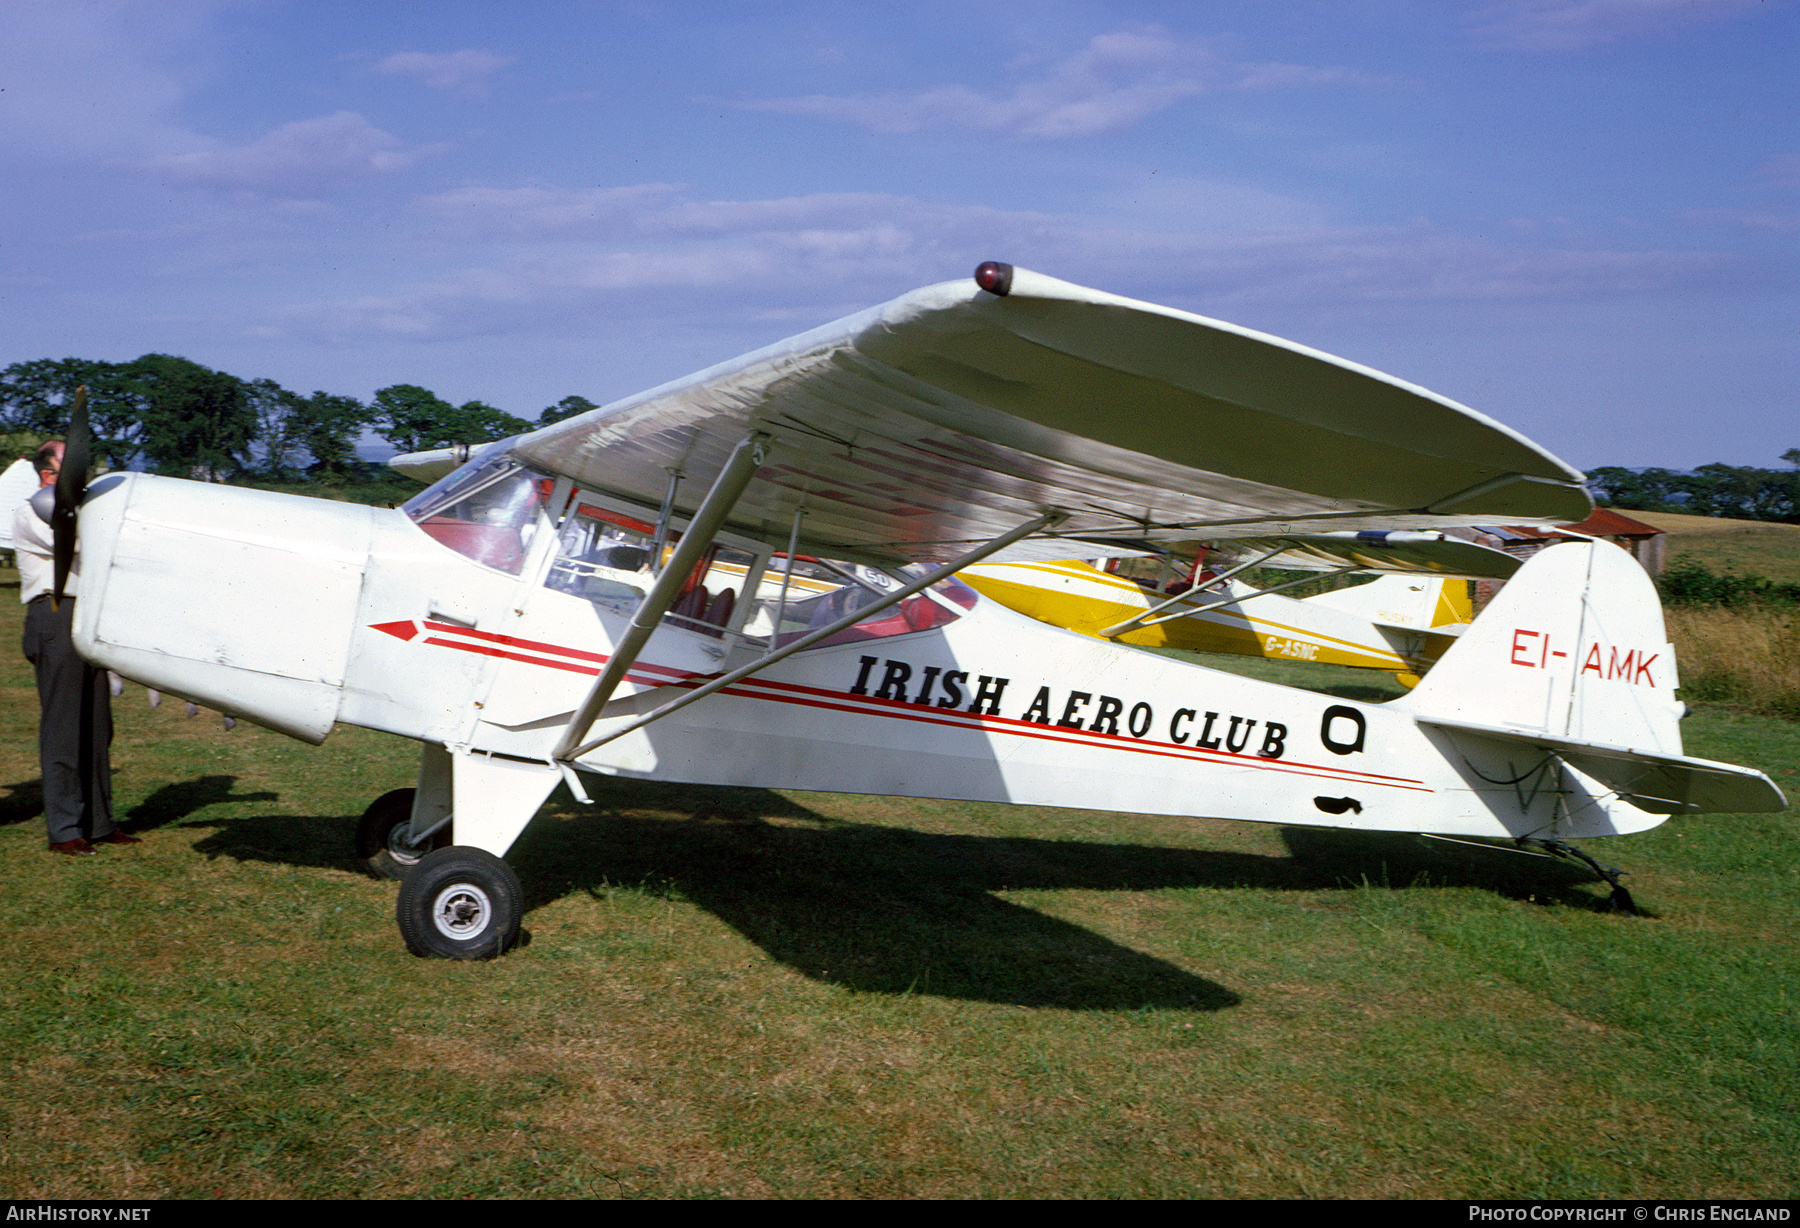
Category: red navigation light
[994,277]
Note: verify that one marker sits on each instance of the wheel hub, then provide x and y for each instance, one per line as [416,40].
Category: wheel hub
[400,848]
[461,911]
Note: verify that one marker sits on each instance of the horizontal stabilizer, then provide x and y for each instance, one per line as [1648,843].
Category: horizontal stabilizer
[1660,784]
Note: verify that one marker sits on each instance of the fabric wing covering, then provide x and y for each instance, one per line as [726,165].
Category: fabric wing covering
[950,415]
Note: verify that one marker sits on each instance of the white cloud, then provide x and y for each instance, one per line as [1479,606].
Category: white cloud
[465,71]
[303,158]
[1770,220]
[1781,173]
[540,213]
[545,259]
[1112,83]
[1564,25]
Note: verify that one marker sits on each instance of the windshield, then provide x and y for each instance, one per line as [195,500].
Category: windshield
[486,510]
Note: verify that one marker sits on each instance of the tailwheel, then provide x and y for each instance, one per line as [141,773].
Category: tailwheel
[460,903]
[381,843]
[1621,899]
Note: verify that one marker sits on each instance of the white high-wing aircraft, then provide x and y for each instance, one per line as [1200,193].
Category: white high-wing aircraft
[745,577]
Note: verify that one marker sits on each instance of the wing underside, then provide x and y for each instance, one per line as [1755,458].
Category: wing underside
[1379,552]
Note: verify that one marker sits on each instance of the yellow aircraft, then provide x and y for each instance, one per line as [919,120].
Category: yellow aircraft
[1402,622]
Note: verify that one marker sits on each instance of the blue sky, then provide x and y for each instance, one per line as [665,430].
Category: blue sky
[1577,216]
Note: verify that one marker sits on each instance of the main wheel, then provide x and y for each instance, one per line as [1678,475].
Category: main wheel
[460,903]
[381,843]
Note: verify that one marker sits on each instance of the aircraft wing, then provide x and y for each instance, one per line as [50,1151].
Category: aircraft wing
[1377,551]
[17,484]
[428,467]
[953,414]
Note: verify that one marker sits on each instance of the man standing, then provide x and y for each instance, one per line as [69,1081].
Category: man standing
[75,729]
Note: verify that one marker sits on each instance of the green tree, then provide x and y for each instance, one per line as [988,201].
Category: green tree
[196,422]
[276,437]
[568,407]
[35,397]
[1649,490]
[407,416]
[415,419]
[479,422]
[327,428]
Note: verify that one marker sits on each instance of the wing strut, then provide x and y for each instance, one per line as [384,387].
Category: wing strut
[745,460]
[1182,598]
[585,718]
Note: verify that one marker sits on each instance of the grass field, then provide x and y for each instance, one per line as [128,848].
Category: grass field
[1751,547]
[743,993]
[1747,656]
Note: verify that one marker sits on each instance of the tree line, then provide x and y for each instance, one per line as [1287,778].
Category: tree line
[1734,491]
[171,415]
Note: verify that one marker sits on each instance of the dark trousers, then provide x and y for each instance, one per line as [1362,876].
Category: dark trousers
[75,731]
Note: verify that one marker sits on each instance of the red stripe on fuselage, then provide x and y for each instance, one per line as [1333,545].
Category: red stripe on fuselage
[800,695]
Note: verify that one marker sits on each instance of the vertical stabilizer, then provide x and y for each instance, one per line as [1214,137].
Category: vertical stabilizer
[1573,648]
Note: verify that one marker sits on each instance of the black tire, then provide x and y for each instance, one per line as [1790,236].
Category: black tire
[460,903]
[378,844]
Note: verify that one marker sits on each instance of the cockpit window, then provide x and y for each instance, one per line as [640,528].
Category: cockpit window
[487,510]
[609,558]
[604,557]
[821,592]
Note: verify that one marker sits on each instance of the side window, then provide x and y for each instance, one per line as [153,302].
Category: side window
[487,510]
[602,556]
[821,592]
[607,558]
[710,600]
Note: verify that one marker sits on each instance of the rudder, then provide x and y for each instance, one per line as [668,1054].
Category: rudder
[1573,647]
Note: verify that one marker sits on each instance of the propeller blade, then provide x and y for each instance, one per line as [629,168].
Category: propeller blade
[71,484]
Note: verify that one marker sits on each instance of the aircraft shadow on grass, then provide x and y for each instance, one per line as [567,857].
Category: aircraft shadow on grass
[890,910]
[174,802]
[22,802]
[1401,861]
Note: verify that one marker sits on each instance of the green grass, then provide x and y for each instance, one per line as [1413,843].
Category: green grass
[738,993]
[1749,547]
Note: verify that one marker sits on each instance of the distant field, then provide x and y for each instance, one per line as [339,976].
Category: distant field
[744,993]
[1754,547]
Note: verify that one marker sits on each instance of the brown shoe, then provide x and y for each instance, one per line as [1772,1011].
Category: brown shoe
[77,847]
[115,836]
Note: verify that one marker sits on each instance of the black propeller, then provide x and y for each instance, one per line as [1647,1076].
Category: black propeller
[71,485]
